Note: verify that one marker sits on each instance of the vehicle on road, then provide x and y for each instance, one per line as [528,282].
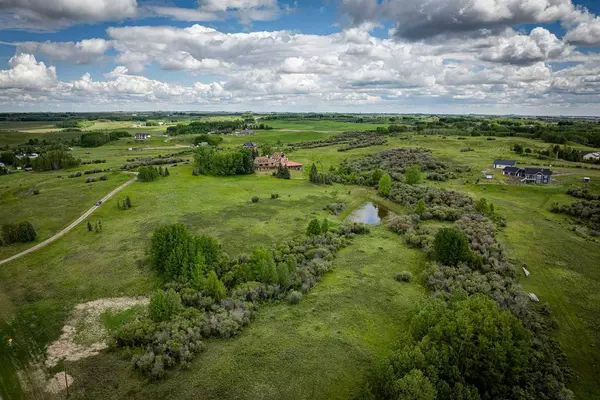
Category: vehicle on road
[98,203]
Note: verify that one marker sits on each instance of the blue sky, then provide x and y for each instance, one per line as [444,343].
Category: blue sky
[341,55]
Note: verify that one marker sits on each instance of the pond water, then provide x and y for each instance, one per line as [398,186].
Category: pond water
[369,213]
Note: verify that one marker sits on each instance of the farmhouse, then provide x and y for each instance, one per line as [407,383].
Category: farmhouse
[592,156]
[501,164]
[142,136]
[529,175]
[273,162]
[537,175]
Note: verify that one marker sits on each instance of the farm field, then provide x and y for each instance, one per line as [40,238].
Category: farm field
[323,347]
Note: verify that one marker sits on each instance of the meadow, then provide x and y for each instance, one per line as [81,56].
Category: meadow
[325,346]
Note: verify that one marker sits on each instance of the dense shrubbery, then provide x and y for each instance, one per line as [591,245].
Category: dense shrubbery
[224,162]
[588,211]
[53,160]
[403,276]
[97,139]
[141,162]
[218,294]
[335,208]
[349,140]
[583,193]
[22,232]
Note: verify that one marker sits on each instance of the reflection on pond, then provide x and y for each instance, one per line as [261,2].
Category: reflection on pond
[369,213]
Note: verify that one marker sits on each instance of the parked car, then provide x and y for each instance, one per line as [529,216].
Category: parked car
[98,203]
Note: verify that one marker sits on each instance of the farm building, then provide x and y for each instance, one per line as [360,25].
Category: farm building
[511,171]
[501,164]
[142,136]
[592,156]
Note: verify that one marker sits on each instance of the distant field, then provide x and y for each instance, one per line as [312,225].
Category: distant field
[323,347]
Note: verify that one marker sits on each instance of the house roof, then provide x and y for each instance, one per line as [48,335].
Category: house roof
[512,169]
[249,144]
[261,159]
[534,171]
[293,164]
[505,162]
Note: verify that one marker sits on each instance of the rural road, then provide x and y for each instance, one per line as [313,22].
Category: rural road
[68,228]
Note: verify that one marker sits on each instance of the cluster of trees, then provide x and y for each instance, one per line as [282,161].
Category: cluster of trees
[54,160]
[150,174]
[141,162]
[199,127]
[505,346]
[224,162]
[125,204]
[349,140]
[74,123]
[22,232]
[316,228]
[212,140]
[97,139]
[96,227]
[208,294]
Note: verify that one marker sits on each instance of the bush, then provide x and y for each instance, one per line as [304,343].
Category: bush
[335,208]
[104,178]
[274,196]
[385,185]
[147,174]
[314,228]
[295,297]
[412,176]
[36,192]
[255,199]
[164,305]
[403,276]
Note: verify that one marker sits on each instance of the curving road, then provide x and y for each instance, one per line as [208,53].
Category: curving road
[68,228]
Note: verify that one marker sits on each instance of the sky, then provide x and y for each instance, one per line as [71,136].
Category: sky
[527,57]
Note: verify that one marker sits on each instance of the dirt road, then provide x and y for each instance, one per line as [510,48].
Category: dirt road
[70,227]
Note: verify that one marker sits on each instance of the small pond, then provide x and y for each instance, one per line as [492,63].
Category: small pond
[369,213]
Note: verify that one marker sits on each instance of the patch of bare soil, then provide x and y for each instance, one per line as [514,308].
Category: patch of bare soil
[84,335]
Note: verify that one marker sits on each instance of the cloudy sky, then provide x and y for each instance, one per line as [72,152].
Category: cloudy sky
[430,56]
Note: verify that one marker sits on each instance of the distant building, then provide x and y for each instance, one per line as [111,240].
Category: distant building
[592,156]
[529,175]
[142,136]
[274,161]
[586,180]
[489,176]
[501,164]
[250,145]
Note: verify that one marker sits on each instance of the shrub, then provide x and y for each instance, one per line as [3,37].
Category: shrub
[401,224]
[255,199]
[335,208]
[104,178]
[36,192]
[403,276]
[147,174]
[295,297]
[385,185]
[412,176]
[274,196]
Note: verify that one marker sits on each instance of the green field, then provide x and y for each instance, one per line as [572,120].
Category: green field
[325,346]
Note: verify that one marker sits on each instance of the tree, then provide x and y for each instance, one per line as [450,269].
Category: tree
[412,175]
[263,266]
[451,246]
[266,149]
[283,172]
[325,226]
[164,305]
[313,176]
[147,174]
[314,228]
[421,207]
[283,275]
[518,148]
[385,185]
[214,287]
[176,254]
[128,202]
[167,171]
[376,176]
[22,232]
[414,386]
[89,226]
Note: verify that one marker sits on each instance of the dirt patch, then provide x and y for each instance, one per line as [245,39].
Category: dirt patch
[59,382]
[84,335]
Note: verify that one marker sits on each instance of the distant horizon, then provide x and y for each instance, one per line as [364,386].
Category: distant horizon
[488,57]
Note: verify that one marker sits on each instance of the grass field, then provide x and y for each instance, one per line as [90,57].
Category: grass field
[321,348]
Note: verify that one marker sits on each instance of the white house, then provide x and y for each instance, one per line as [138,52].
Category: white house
[592,156]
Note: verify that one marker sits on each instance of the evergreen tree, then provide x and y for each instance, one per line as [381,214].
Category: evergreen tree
[214,287]
[167,171]
[314,228]
[89,226]
[421,207]
[283,172]
[128,202]
[314,174]
[160,171]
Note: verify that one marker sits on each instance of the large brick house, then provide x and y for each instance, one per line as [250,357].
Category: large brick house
[273,161]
